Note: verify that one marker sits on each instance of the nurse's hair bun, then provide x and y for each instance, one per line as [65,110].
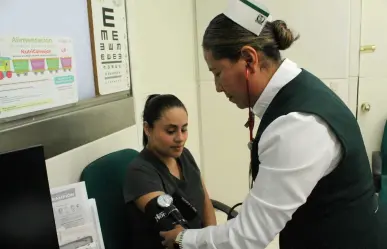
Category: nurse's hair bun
[283,36]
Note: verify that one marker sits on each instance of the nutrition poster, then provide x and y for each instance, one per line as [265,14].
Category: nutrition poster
[36,73]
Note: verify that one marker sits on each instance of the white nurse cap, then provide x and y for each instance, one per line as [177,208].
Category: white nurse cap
[249,14]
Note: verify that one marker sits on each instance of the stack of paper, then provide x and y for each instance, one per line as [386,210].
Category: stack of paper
[76,218]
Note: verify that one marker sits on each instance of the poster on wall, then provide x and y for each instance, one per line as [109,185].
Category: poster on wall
[36,73]
[108,28]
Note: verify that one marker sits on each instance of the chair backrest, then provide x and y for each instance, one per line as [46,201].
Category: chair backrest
[104,180]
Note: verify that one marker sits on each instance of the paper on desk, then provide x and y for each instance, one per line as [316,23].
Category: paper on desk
[97,225]
[76,237]
[76,218]
[92,245]
[70,204]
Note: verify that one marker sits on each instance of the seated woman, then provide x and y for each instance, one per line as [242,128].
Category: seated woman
[164,166]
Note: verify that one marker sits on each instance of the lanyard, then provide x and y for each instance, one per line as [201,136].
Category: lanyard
[250,120]
[250,125]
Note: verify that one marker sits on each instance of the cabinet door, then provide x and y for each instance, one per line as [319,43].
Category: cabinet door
[372,111]
[372,94]
[374,20]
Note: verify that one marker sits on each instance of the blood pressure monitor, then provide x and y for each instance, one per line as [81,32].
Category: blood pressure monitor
[165,201]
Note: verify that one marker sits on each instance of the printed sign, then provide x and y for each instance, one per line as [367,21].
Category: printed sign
[36,73]
[110,45]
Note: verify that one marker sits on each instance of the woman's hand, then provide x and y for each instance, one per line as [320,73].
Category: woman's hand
[170,236]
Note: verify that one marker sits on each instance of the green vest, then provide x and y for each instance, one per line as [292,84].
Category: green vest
[340,211]
[383,176]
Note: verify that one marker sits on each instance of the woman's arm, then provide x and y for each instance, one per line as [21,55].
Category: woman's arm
[209,218]
[145,199]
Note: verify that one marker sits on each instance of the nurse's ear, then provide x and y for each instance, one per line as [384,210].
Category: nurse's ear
[251,58]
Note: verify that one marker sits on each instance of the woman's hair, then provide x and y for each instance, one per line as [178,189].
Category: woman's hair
[155,105]
[225,39]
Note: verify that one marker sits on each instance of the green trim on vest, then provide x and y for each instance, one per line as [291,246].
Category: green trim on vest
[340,211]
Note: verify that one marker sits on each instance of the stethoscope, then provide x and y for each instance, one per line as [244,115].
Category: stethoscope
[250,121]
[250,124]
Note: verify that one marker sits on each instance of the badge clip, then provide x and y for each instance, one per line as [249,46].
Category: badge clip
[250,145]
[247,123]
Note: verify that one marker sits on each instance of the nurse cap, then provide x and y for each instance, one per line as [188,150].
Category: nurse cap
[249,14]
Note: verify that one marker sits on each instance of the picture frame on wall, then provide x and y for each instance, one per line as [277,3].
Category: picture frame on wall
[110,47]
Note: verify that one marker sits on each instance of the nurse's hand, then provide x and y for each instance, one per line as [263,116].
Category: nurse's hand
[170,236]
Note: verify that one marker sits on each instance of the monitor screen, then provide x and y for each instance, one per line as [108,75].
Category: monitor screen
[26,214]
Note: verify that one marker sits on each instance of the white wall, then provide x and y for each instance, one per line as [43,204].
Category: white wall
[67,167]
[163,59]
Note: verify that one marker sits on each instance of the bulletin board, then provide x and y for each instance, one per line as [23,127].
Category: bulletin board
[50,19]
[56,22]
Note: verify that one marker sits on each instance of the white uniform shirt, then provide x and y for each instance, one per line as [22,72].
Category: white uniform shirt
[295,152]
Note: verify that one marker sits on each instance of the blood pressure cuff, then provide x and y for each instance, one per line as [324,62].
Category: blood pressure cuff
[186,209]
[158,215]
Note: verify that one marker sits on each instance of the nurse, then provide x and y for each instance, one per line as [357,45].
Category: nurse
[312,178]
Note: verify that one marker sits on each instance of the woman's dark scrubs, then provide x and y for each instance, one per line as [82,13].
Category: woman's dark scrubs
[147,174]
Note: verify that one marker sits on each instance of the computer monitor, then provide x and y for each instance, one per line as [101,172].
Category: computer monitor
[26,213]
